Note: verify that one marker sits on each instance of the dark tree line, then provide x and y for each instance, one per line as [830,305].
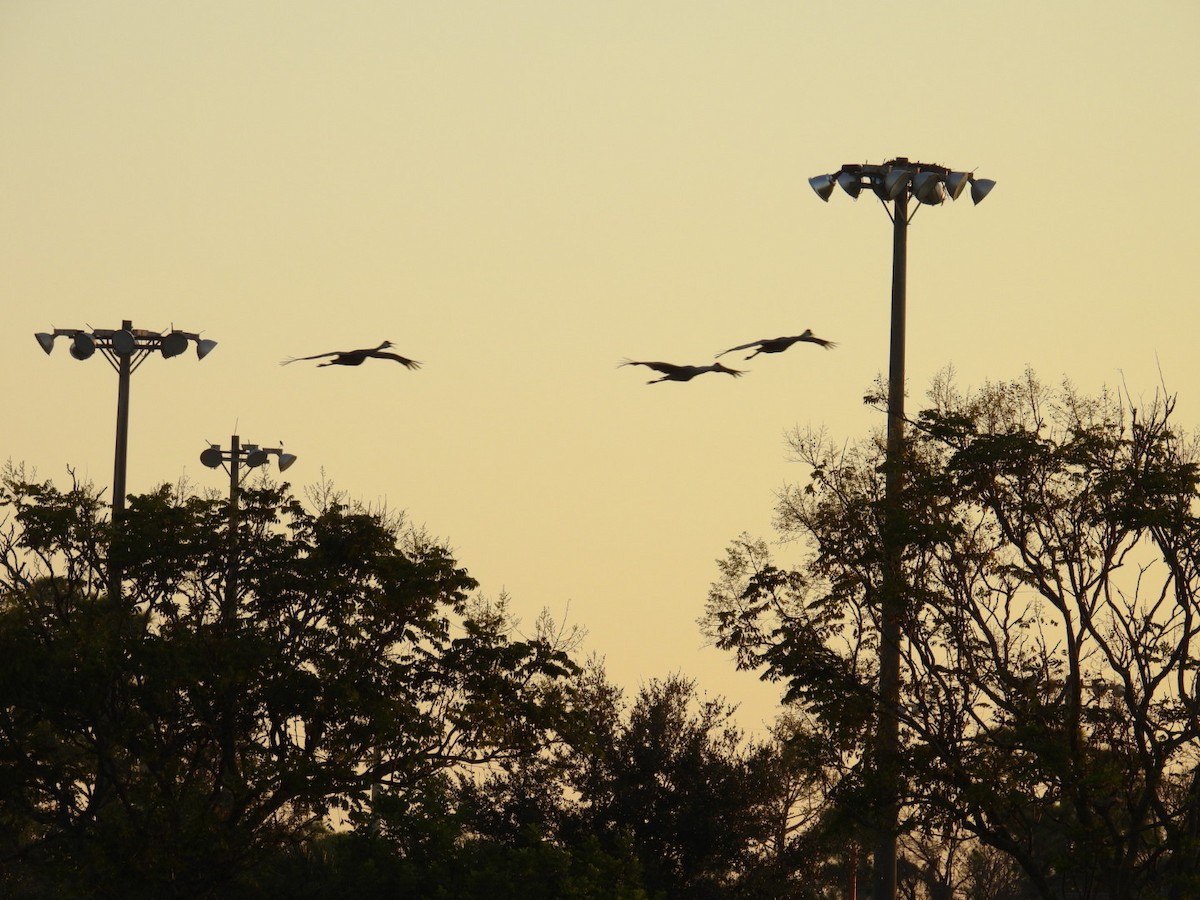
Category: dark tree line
[1051,706]
[350,718]
[172,738]
[347,717]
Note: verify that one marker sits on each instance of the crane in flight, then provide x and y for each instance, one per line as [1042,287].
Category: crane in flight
[672,372]
[356,357]
[779,344]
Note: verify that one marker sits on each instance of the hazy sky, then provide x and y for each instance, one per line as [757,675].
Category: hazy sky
[520,194]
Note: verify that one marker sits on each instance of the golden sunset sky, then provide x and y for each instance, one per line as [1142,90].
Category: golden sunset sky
[520,194]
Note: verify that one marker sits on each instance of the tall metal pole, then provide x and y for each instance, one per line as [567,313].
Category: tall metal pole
[895,180]
[231,577]
[120,467]
[121,456]
[887,738]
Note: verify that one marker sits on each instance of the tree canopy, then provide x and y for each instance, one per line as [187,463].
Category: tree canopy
[1051,571]
[164,739]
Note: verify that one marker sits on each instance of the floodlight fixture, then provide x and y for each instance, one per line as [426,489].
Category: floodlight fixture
[823,185]
[125,348]
[851,183]
[173,344]
[980,188]
[239,454]
[895,183]
[82,346]
[928,188]
[123,342]
[955,182]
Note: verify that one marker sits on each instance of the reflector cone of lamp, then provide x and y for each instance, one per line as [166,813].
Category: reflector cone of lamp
[823,185]
[980,187]
[850,183]
[173,344]
[286,460]
[82,346]
[45,341]
[894,183]
[204,347]
[955,182]
[928,188]
[123,343]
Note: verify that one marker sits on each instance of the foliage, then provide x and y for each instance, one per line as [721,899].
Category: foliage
[160,739]
[669,783]
[1050,566]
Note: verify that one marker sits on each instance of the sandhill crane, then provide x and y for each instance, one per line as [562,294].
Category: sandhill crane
[779,344]
[356,357]
[672,372]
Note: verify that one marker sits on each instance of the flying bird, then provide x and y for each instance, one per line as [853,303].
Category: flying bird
[779,344]
[356,357]
[672,372]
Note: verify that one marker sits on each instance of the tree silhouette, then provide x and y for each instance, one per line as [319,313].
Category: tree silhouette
[163,743]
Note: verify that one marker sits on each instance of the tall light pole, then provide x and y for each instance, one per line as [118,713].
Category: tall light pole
[233,458]
[895,182]
[125,348]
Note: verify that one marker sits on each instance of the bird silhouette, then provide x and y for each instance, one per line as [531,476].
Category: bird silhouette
[672,372]
[356,357]
[779,344]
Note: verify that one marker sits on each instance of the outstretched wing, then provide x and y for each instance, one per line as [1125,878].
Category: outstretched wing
[665,368]
[292,359]
[813,339]
[739,347]
[403,360]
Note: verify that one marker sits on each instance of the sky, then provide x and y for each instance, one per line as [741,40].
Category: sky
[522,194]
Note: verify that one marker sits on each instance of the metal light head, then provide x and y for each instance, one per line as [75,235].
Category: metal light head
[45,341]
[956,182]
[123,342]
[286,460]
[173,344]
[204,347]
[823,185]
[255,457]
[211,457]
[851,183]
[928,188]
[82,345]
[980,188]
[895,183]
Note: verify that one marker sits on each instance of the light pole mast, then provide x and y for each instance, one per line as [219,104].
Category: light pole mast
[125,348]
[895,182]
[253,456]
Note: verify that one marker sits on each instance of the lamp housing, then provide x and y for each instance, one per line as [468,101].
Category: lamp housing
[980,188]
[82,345]
[173,344]
[823,185]
[851,183]
[928,188]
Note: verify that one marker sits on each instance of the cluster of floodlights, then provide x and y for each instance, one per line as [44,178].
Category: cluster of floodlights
[125,342]
[929,184]
[250,454]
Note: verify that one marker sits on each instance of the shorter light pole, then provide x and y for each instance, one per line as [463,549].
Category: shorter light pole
[233,458]
[125,348]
